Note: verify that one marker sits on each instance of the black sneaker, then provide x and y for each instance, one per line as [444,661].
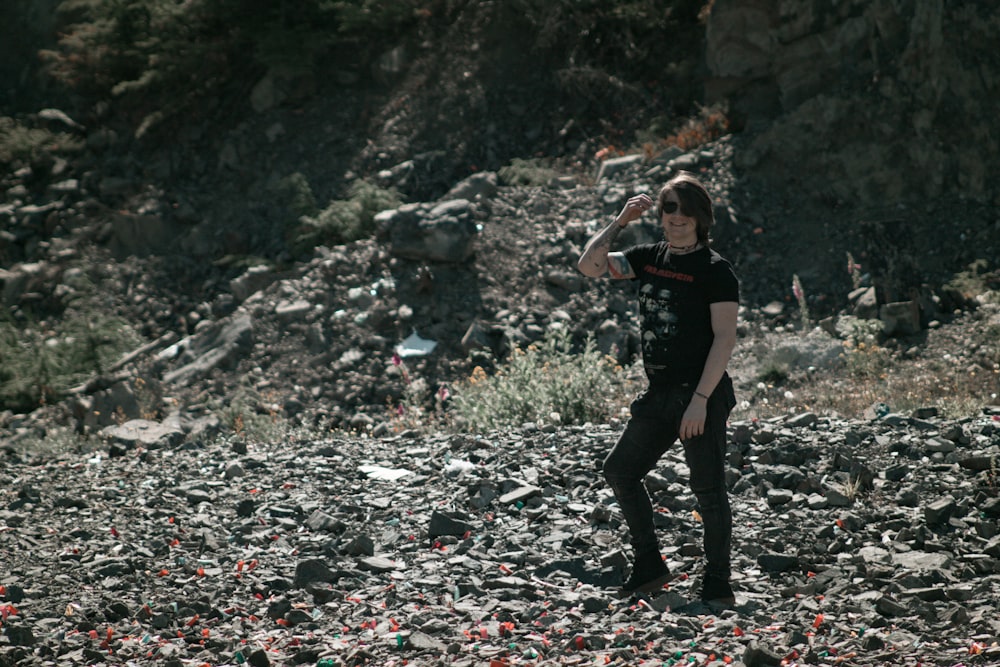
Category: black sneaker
[649,573]
[716,590]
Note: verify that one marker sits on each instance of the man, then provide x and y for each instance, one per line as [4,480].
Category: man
[688,303]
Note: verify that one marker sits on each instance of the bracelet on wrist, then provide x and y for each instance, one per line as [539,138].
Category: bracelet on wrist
[698,393]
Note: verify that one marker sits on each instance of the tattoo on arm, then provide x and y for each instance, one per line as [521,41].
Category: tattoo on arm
[619,267]
[605,238]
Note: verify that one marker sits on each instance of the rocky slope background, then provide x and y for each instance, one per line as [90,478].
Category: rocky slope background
[849,150]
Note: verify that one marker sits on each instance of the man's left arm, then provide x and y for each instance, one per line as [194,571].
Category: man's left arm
[724,317]
[724,329]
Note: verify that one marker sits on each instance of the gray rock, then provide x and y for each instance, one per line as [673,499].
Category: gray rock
[312,570]
[939,511]
[900,318]
[442,523]
[143,433]
[478,186]
[802,420]
[777,497]
[219,346]
[292,311]
[921,560]
[378,564]
[613,167]
[940,445]
[321,521]
[756,655]
[887,606]
[519,495]
[865,303]
[360,545]
[775,562]
[444,233]
[424,642]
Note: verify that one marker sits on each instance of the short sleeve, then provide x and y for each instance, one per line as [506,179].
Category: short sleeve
[639,256]
[723,285]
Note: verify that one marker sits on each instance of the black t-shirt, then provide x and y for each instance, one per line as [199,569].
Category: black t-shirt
[674,296]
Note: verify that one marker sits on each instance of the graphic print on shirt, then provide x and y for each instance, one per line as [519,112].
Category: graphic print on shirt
[659,322]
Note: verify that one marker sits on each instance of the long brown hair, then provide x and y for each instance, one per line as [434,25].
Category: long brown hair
[694,200]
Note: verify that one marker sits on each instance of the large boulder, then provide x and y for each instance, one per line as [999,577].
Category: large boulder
[442,232]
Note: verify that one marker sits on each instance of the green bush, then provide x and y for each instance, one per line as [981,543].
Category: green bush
[346,220]
[547,382]
[20,144]
[165,59]
[526,172]
[38,366]
[976,281]
[295,194]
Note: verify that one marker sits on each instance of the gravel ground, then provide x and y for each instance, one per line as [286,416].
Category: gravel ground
[856,542]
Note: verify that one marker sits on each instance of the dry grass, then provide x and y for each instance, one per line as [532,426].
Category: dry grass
[863,390]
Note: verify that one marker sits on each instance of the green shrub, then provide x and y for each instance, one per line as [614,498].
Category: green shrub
[346,220]
[38,366]
[164,59]
[977,280]
[295,194]
[547,382]
[20,144]
[526,172]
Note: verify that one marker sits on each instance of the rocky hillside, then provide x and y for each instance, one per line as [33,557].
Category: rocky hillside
[187,241]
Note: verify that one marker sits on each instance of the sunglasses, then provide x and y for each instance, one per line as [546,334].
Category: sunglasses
[670,207]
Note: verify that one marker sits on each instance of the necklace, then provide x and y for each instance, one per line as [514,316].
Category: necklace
[684,249]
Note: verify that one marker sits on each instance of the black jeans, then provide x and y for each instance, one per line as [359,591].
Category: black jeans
[650,432]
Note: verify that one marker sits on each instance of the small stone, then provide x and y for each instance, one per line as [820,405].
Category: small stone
[321,521]
[259,658]
[519,495]
[775,562]
[362,545]
[19,635]
[776,497]
[887,606]
[938,512]
[378,564]
[447,524]
[756,655]
[234,470]
[312,570]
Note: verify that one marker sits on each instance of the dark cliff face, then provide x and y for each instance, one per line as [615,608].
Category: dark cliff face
[876,101]
[26,26]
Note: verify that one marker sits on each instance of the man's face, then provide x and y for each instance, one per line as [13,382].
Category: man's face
[680,230]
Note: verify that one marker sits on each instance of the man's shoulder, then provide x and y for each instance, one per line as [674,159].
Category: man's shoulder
[715,258]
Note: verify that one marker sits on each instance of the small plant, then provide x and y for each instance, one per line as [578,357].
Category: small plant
[867,360]
[346,220]
[800,297]
[19,144]
[774,373]
[251,417]
[710,124]
[38,363]
[976,280]
[526,172]
[543,383]
[852,488]
[295,193]
[991,475]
